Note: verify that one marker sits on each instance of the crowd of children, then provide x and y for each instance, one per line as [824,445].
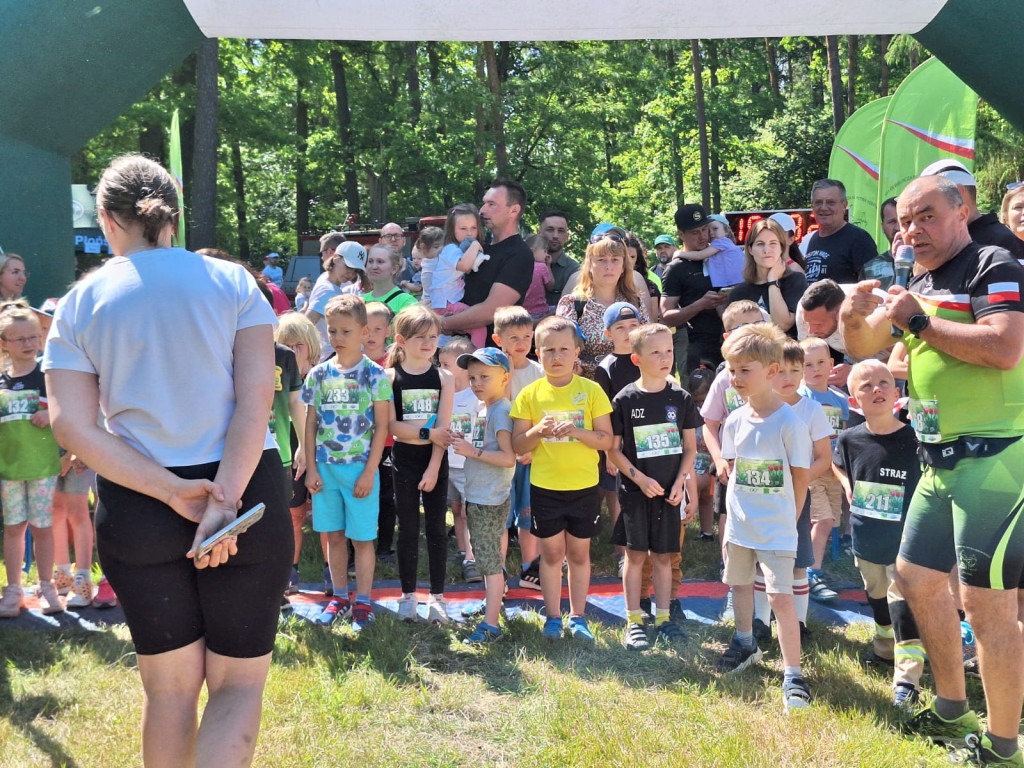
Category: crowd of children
[388,421]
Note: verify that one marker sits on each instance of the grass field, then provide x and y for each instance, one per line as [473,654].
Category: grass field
[413,695]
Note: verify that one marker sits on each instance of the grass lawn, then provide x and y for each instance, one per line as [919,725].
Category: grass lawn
[413,695]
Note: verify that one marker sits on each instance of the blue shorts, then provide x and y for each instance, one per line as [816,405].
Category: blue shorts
[76,483]
[519,510]
[336,508]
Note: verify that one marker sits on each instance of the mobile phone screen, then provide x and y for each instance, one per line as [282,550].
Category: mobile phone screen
[237,526]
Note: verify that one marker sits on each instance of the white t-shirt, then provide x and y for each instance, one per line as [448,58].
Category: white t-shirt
[813,416]
[521,377]
[158,329]
[447,285]
[760,500]
[323,291]
[464,409]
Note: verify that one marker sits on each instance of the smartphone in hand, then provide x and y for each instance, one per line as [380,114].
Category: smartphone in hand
[239,525]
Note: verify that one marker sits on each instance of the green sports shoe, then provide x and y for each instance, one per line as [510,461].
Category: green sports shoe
[980,752]
[929,725]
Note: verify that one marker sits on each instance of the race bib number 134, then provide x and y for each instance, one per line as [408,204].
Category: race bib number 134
[760,475]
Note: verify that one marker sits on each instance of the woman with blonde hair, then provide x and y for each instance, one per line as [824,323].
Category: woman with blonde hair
[603,281]
[13,277]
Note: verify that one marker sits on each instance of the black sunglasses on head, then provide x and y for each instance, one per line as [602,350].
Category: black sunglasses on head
[607,235]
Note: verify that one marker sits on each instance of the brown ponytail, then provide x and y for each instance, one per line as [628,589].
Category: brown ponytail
[137,189]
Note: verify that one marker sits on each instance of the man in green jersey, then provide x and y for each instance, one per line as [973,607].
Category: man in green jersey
[963,324]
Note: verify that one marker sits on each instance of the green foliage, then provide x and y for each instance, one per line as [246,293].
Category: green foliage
[604,130]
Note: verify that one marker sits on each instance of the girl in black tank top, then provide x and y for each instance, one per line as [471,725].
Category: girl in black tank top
[420,415]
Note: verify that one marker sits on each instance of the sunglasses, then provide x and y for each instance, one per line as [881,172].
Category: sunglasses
[1014,185]
[609,236]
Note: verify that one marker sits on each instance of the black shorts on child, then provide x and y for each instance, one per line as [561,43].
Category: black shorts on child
[647,524]
[578,513]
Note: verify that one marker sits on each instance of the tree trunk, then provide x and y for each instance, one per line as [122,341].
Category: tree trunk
[184,77]
[152,142]
[377,186]
[851,74]
[716,175]
[480,135]
[348,155]
[817,86]
[773,66]
[497,108]
[835,78]
[241,210]
[412,81]
[608,130]
[702,124]
[302,195]
[883,46]
[204,159]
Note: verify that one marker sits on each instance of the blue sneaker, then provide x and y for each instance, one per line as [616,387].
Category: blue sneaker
[483,634]
[579,629]
[336,609]
[553,628]
[362,616]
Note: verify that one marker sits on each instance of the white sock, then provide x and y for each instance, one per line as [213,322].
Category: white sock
[801,598]
[762,609]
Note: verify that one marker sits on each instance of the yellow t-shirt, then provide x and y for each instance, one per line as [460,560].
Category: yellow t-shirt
[564,464]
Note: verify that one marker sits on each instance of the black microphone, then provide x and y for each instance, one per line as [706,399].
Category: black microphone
[903,264]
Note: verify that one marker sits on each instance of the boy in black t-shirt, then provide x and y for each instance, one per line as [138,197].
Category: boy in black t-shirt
[654,422]
[877,464]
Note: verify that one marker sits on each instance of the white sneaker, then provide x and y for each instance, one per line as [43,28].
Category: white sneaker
[49,600]
[437,610]
[12,602]
[407,608]
[81,593]
[63,580]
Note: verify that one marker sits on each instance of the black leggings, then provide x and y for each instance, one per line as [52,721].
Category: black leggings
[167,602]
[410,462]
[386,516]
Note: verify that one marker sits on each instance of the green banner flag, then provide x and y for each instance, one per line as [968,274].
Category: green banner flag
[176,175]
[855,160]
[931,116]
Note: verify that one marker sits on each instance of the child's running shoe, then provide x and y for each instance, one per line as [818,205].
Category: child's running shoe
[727,612]
[407,606]
[11,602]
[81,593]
[904,696]
[795,693]
[530,578]
[328,584]
[437,610]
[980,752]
[553,628]
[470,573]
[675,610]
[579,629]
[362,616]
[293,582]
[483,634]
[762,632]
[63,580]
[970,649]
[635,638]
[104,597]
[339,608]
[929,725]
[669,633]
[49,600]
[820,590]
[738,657]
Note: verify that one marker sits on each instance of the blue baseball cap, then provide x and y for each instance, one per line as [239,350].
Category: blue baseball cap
[605,228]
[487,356]
[719,218]
[619,311]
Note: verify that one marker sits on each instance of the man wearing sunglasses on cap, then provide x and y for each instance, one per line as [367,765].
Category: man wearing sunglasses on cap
[689,303]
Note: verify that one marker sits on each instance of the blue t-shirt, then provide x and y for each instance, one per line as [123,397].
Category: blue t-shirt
[835,406]
[344,400]
[486,483]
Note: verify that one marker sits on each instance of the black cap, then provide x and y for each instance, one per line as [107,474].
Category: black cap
[690,216]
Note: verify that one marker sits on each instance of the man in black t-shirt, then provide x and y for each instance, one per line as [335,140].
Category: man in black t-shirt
[502,280]
[838,250]
[688,300]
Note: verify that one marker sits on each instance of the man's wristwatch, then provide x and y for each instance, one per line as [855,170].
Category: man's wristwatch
[917,323]
[424,433]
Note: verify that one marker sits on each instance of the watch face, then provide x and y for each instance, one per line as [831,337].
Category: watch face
[917,323]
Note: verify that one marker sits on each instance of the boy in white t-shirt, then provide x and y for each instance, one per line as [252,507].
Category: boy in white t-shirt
[513,332]
[769,453]
[464,407]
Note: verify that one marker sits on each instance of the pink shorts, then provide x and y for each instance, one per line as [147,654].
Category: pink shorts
[477,335]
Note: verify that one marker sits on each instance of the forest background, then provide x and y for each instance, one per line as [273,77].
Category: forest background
[284,138]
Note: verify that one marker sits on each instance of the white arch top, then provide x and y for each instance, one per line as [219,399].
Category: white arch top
[554,20]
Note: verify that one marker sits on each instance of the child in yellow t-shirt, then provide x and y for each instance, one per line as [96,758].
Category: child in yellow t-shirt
[564,420]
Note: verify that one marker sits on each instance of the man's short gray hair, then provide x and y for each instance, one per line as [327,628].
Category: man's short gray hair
[829,184]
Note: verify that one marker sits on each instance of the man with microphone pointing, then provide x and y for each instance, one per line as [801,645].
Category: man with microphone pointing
[963,323]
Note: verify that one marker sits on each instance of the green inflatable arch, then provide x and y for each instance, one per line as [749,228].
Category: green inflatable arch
[68,68]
